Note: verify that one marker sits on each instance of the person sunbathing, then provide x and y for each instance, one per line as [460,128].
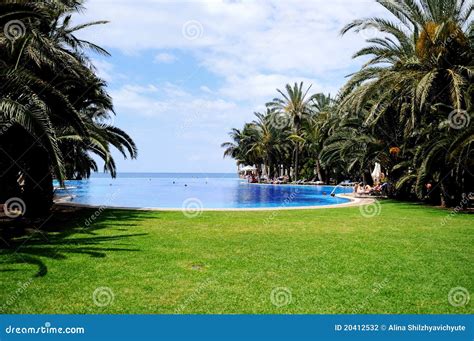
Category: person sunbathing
[360,189]
[376,190]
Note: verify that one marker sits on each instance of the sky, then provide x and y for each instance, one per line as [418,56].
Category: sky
[183,73]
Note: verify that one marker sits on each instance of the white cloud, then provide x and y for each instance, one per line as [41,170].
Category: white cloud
[206,89]
[249,47]
[104,69]
[175,128]
[241,38]
[171,90]
[261,88]
[165,58]
[169,101]
[134,100]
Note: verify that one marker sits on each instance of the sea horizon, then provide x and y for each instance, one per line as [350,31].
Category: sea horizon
[166,174]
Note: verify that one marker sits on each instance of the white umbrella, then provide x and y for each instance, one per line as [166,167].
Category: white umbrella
[377,172]
[248,168]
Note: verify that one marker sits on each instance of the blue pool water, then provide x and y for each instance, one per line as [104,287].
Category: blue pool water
[173,190]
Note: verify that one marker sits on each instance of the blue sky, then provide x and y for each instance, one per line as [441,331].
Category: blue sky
[183,73]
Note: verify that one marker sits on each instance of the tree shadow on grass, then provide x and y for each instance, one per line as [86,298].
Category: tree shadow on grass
[65,231]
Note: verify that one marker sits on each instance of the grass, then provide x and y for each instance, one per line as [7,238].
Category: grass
[404,260]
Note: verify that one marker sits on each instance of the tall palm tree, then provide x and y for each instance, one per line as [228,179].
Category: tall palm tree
[296,103]
[271,142]
[233,148]
[240,148]
[77,150]
[425,56]
[419,70]
[353,147]
[49,98]
[314,134]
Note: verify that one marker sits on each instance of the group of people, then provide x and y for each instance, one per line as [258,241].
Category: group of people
[252,179]
[275,181]
[378,189]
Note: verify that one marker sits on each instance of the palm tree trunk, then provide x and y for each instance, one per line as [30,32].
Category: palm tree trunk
[288,172]
[9,186]
[442,195]
[448,193]
[296,161]
[318,169]
[38,188]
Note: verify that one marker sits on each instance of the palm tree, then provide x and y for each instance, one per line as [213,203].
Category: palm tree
[353,147]
[425,55]
[419,70]
[260,141]
[314,133]
[270,143]
[233,148]
[295,103]
[77,150]
[240,148]
[49,97]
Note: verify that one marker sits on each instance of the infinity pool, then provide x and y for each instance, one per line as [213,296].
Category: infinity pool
[158,190]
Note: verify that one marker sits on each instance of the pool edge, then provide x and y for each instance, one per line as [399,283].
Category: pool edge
[353,202]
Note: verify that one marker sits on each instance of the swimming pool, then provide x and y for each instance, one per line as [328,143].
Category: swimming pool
[196,191]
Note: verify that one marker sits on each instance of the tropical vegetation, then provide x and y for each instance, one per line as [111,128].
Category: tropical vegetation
[55,111]
[408,108]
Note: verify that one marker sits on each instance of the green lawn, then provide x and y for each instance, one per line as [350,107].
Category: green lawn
[404,260]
